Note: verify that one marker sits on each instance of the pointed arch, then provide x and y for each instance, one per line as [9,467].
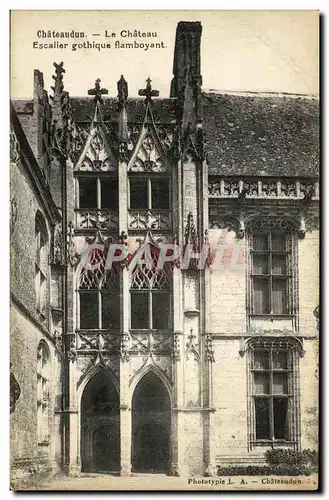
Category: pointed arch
[151,423]
[99,277]
[88,375]
[100,422]
[41,262]
[157,372]
[98,297]
[41,226]
[150,290]
[150,275]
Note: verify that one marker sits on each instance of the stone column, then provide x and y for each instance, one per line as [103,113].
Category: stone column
[125,427]
[72,414]
[125,396]
[177,418]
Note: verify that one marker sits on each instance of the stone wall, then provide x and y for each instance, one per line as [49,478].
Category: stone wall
[27,328]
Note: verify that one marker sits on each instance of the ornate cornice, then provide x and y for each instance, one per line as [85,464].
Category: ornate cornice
[262,188]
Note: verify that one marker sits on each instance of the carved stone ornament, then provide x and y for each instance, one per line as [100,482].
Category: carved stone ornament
[100,341]
[97,155]
[142,343]
[190,235]
[59,344]
[176,347]
[70,344]
[192,346]
[264,342]
[266,187]
[271,223]
[97,91]
[230,223]
[209,351]
[124,347]
[149,157]
[97,219]
[72,257]
[56,256]
[148,219]
[148,92]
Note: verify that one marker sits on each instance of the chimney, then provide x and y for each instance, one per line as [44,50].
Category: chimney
[187,80]
[186,56]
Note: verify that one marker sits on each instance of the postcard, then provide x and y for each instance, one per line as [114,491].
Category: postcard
[164,250]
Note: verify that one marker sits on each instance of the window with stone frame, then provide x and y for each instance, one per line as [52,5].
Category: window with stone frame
[150,297]
[274,413]
[43,396]
[99,295]
[41,263]
[149,192]
[97,201]
[272,269]
[98,192]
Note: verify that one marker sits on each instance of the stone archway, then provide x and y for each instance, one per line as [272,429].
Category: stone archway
[151,426]
[100,426]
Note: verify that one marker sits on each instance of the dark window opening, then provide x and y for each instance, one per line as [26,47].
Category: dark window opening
[88,193]
[262,418]
[138,193]
[109,194]
[160,310]
[271,394]
[160,194]
[150,194]
[150,310]
[280,414]
[89,310]
[111,311]
[139,310]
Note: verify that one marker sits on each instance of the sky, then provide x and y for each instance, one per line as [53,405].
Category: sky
[263,51]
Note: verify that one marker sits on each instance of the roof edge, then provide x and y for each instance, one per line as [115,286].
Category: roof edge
[251,93]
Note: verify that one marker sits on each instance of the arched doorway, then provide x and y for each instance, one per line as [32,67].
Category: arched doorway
[151,426]
[100,426]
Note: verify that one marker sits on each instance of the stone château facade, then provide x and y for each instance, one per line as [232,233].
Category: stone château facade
[173,370]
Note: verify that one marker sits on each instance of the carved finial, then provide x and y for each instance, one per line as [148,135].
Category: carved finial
[59,68]
[58,77]
[97,91]
[62,122]
[122,91]
[148,92]
[122,121]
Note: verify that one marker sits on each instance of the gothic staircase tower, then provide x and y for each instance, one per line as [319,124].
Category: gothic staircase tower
[193,384]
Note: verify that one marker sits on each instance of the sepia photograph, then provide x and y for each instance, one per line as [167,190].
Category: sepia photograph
[164,250]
